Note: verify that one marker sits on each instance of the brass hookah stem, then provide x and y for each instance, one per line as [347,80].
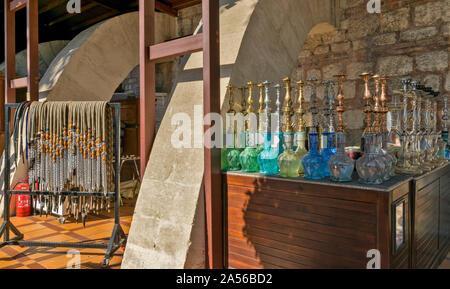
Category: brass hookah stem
[313,109]
[287,110]
[250,110]
[261,107]
[300,110]
[368,107]
[340,108]
[243,104]
[231,102]
[377,107]
[384,107]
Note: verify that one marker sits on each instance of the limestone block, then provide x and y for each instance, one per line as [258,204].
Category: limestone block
[385,39]
[428,13]
[433,80]
[314,73]
[331,70]
[341,47]
[418,34]
[394,65]
[362,27]
[395,20]
[353,119]
[355,69]
[322,49]
[359,44]
[445,29]
[350,89]
[432,61]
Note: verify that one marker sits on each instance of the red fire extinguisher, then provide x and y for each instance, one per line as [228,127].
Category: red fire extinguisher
[23,202]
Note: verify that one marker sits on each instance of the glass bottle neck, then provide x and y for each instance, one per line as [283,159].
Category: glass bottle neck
[313,142]
[340,141]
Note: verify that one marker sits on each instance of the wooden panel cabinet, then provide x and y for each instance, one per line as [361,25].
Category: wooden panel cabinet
[296,223]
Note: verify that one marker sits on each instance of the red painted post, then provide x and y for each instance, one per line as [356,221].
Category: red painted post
[147,81]
[211,102]
[32,50]
[10,53]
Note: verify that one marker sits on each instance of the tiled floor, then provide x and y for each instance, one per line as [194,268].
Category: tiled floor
[98,230]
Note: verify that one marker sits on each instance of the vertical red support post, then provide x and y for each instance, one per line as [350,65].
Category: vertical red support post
[10,52]
[211,102]
[32,50]
[147,81]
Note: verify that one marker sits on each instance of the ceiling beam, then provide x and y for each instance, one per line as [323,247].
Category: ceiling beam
[166,9]
[17,4]
[68,15]
[113,5]
[52,4]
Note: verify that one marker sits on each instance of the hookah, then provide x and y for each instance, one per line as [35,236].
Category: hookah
[340,165]
[378,125]
[276,117]
[370,167]
[328,132]
[436,134]
[313,163]
[423,124]
[442,143]
[249,157]
[403,164]
[385,131]
[444,124]
[415,154]
[262,120]
[268,158]
[428,139]
[288,161]
[300,134]
[230,154]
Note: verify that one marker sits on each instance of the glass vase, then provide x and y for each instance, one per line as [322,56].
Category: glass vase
[327,150]
[268,158]
[313,163]
[249,157]
[300,140]
[289,161]
[369,167]
[340,165]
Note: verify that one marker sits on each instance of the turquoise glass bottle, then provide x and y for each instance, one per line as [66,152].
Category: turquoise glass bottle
[268,157]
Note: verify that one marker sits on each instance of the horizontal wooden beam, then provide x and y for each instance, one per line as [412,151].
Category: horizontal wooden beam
[17,4]
[166,9]
[178,47]
[19,82]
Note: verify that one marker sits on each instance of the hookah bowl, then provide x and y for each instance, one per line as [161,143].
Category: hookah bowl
[314,163]
[370,167]
[268,158]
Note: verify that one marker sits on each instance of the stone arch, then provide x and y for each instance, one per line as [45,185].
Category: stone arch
[260,40]
[98,59]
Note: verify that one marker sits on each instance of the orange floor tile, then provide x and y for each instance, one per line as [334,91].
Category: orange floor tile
[98,230]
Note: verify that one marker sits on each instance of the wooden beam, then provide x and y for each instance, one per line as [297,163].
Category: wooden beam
[10,53]
[51,5]
[185,4]
[147,81]
[17,4]
[19,82]
[68,15]
[178,47]
[211,103]
[166,9]
[32,50]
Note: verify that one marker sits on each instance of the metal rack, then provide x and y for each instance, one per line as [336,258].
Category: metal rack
[118,237]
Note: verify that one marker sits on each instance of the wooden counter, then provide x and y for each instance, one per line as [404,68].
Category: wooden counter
[296,223]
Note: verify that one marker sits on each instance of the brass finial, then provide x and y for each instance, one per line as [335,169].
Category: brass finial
[261,97]
[300,112]
[287,110]
[250,110]
[340,108]
[367,96]
[231,101]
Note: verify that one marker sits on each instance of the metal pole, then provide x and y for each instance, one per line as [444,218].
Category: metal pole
[117,164]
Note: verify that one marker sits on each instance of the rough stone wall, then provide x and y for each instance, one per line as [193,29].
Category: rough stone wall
[408,38]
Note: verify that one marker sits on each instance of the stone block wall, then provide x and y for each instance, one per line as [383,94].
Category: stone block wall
[408,38]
